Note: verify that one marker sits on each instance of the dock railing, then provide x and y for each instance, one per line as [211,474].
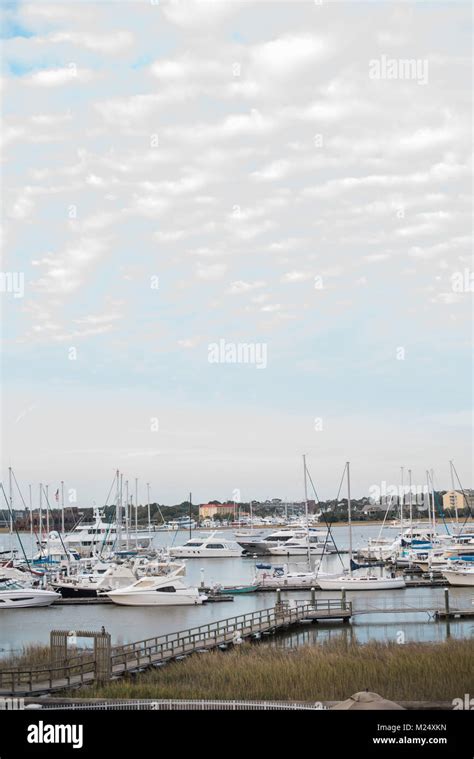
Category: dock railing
[222,631]
[84,668]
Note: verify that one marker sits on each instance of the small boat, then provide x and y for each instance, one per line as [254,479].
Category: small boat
[235,589]
[16,595]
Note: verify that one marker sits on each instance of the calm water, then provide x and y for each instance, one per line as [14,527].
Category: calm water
[23,626]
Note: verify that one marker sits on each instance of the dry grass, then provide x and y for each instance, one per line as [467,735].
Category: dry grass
[29,656]
[33,656]
[327,672]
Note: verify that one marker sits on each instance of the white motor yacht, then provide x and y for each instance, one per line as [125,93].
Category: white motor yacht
[17,595]
[316,542]
[99,536]
[157,591]
[274,539]
[210,547]
[461,576]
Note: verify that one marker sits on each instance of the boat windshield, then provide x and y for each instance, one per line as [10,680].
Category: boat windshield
[10,585]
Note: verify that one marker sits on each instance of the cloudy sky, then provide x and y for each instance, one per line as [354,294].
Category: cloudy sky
[179,173]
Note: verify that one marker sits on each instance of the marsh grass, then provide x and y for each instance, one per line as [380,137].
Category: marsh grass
[34,656]
[328,672]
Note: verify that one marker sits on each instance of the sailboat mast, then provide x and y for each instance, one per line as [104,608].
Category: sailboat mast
[349,512]
[433,500]
[306,507]
[402,498]
[430,519]
[62,507]
[118,515]
[46,492]
[136,511]
[41,512]
[31,516]
[411,502]
[451,466]
[127,514]
[148,505]
[190,516]
[10,486]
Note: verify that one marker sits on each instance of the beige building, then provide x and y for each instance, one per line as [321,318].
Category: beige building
[454,500]
[210,510]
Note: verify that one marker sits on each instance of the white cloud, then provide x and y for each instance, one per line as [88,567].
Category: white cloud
[60,76]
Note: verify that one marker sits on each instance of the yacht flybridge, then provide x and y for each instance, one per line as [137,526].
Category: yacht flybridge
[210,547]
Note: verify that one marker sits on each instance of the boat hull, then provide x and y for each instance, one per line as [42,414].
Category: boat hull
[178,553]
[71,591]
[460,579]
[346,583]
[155,599]
[23,599]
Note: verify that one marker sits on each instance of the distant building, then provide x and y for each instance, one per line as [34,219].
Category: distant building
[454,500]
[211,510]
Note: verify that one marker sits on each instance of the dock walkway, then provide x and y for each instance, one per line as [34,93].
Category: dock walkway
[135,657]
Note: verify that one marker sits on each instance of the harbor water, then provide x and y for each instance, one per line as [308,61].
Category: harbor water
[22,627]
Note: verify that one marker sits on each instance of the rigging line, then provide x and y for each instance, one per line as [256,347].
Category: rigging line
[109,526]
[439,506]
[469,514]
[342,482]
[16,531]
[329,533]
[38,541]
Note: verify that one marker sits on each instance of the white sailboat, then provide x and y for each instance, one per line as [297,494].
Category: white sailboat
[350,581]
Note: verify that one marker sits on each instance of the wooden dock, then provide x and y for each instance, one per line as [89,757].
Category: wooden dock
[134,657]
